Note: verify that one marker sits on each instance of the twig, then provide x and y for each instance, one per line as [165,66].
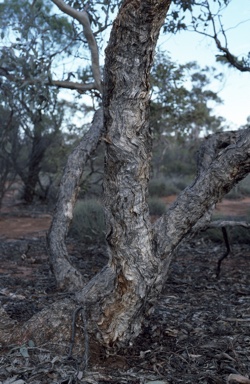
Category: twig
[86,339]
[223,224]
[226,240]
[73,331]
[82,310]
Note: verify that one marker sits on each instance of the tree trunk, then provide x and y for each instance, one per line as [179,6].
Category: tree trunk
[132,265]
[39,146]
[67,276]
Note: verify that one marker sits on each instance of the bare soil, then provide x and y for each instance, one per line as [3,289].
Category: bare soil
[199,332]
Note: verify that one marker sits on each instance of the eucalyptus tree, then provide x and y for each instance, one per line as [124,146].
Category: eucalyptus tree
[181,108]
[182,100]
[9,149]
[35,44]
[205,17]
[119,297]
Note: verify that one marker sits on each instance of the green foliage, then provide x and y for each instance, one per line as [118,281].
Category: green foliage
[27,21]
[33,36]
[185,15]
[179,107]
[157,188]
[175,160]
[38,40]
[181,182]
[88,224]
[156,206]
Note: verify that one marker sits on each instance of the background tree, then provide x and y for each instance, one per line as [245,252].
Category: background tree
[9,149]
[182,99]
[206,18]
[33,37]
[181,109]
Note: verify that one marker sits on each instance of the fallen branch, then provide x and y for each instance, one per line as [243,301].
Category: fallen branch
[228,223]
[233,378]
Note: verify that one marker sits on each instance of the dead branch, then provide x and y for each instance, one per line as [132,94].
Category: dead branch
[223,224]
[72,85]
[235,378]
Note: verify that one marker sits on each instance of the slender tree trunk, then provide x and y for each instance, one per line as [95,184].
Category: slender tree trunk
[39,146]
[67,276]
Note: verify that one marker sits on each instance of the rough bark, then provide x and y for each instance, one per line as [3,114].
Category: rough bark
[132,265]
[227,165]
[67,276]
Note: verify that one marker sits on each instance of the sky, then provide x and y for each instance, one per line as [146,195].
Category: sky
[235,89]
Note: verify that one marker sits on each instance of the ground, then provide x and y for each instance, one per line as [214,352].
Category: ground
[199,332]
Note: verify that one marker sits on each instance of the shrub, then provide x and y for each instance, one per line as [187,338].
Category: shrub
[157,188]
[160,188]
[236,234]
[88,224]
[156,206]
[181,182]
[240,190]
[179,160]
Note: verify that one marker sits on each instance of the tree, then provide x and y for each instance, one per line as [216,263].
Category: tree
[117,299]
[181,108]
[33,37]
[181,105]
[207,21]
[8,149]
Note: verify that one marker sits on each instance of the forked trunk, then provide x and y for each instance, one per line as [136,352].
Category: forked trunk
[116,299]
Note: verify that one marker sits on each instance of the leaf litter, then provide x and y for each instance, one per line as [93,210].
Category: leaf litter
[198,333]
